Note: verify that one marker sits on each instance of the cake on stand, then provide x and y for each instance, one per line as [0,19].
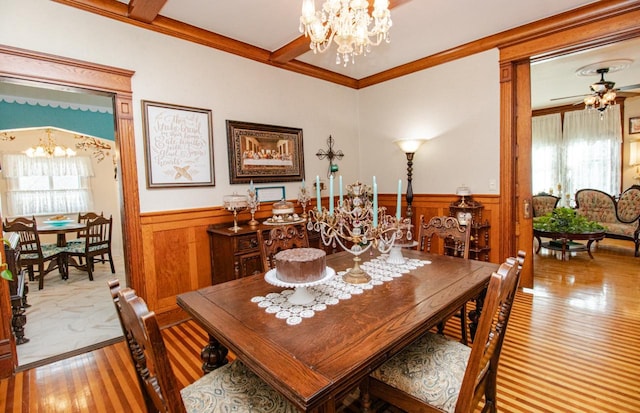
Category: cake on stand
[301,296]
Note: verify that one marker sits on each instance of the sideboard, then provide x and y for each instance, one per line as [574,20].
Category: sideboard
[236,254]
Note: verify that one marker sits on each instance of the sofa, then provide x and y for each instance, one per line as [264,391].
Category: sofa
[543,204]
[621,217]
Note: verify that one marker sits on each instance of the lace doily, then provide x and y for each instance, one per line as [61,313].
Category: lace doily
[334,290]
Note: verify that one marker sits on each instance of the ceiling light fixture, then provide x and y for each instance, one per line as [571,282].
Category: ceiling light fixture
[604,96]
[49,148]
[347,23]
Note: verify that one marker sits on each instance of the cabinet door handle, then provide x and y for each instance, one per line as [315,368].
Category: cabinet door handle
[527,209]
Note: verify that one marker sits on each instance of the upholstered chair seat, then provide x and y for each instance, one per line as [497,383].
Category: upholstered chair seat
[233,388]
[431,369]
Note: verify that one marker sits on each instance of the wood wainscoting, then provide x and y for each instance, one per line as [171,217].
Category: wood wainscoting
[176,251]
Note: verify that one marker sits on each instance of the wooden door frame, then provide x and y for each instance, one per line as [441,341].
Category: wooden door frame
[25,65]
[515,115]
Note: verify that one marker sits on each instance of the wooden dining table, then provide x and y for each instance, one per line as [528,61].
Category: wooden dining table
[318,362]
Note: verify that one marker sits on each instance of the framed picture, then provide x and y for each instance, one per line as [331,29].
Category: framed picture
[634,125]
[264,153]
[270,193]
[178,145]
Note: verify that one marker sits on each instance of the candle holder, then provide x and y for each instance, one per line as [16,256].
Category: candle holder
[352,227]
[235,203]
[303,199]
[253,205]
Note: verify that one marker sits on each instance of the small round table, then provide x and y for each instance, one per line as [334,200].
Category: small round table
[563,241]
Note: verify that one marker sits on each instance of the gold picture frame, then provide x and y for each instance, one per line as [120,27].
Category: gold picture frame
[264,153]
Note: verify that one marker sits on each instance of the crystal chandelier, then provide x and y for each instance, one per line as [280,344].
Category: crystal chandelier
[49,148]
[347,22]
[603,93]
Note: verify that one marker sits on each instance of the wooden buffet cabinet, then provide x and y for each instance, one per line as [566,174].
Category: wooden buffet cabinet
[237,254]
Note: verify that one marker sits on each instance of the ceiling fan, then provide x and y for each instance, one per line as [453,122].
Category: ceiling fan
[603,92]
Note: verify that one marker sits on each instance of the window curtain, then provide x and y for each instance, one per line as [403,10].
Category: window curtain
[592,145]
[546,153]
[43,186]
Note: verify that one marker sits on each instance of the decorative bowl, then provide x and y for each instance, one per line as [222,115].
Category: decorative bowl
[59,222]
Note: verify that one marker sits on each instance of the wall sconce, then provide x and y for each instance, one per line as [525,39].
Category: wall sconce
[634,158]
[409,147]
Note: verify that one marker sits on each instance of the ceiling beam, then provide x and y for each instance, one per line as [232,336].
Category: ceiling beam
[300,45]
[145,10]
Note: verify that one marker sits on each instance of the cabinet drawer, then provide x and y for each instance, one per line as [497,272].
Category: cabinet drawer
[246,242]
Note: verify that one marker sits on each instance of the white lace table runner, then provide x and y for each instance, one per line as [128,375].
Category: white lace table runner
[334,290]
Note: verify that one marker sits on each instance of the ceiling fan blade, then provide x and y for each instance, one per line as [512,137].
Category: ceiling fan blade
[570,97]
[630,87]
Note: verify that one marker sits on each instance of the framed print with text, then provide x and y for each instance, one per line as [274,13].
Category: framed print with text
[178,145]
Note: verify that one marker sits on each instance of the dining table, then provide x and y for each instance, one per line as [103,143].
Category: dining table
[318,359]
[61,231]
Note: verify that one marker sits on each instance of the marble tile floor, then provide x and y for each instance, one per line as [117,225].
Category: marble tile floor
[70,317]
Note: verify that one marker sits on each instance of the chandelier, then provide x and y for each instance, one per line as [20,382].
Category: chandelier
[347,22]
[603,95]
[49,148]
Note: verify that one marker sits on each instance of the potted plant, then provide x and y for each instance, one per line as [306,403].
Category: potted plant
[566,220]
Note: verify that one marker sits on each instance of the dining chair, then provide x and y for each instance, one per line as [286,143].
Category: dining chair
[83,218]
[281,238]
[437,374]
[232,387]
[455,240]
[96,243]
[33,253]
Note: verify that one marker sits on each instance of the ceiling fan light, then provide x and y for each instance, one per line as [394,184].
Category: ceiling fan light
[589,101]
[610,96]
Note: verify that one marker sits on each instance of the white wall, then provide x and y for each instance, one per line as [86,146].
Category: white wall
[183,73]
[456,105]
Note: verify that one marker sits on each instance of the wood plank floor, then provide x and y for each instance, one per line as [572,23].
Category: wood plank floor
[572,346]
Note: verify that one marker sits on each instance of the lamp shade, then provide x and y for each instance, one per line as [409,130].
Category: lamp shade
[634,153]
[409,145]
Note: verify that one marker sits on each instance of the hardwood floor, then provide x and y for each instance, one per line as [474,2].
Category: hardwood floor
[572,346]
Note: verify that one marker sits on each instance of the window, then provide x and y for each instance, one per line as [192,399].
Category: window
[47,186]
[581,152]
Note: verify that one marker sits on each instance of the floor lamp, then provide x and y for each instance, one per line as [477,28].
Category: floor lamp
[409,147]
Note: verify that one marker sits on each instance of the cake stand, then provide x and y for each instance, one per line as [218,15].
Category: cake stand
[395,255]
[301,296]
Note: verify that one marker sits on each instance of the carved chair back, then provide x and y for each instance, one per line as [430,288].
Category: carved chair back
[148,353]
[480,376]
[455,238]
[281,238]
[33,253]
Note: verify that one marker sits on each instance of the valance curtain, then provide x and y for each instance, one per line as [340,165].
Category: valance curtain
[45,186]
[582,152]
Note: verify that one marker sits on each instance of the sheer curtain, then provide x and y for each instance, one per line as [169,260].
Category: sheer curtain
[592,142]
[44,186]
[546,153]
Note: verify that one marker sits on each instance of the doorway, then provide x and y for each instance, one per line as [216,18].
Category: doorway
[74,314]
[607,28]
[24,65]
